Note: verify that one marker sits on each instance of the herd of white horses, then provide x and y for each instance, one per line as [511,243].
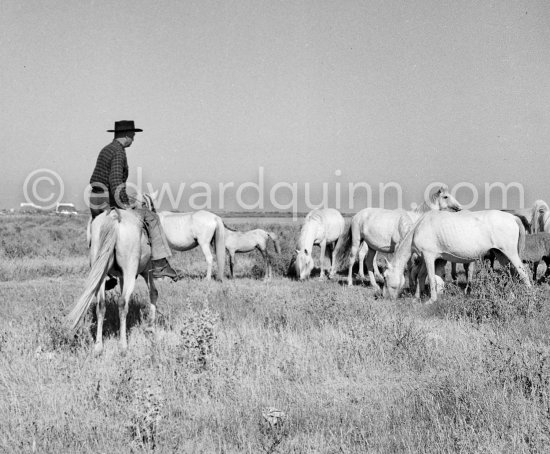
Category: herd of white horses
[422,240]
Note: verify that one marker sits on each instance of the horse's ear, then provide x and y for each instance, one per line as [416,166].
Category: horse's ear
[154,195]
[388,264]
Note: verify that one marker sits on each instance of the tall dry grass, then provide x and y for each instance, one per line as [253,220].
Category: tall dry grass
[282,366]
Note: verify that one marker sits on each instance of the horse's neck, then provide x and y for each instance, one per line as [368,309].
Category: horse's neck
[424,207]
[403,251]
[307,236]
[546,222]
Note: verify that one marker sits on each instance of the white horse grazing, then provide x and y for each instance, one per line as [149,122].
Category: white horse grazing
[540,217]
[321,227]
[383,229]
[457,237]
[119,247]
[236,241]
[536,218]
[186,231]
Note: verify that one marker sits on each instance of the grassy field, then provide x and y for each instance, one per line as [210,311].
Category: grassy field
[347,372]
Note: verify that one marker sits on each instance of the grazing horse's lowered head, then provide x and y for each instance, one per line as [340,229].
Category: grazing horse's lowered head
[540,216]
[393,282]
[303,265]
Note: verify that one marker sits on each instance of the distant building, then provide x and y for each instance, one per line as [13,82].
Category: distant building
[65,208]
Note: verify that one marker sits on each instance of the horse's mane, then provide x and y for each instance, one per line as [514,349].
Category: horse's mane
[426,206]
[314,215]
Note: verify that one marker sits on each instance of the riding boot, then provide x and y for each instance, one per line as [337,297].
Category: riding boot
[161,268]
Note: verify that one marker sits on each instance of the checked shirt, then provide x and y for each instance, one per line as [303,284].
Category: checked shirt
[111,172]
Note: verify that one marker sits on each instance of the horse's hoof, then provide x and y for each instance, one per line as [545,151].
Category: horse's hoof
[98,349]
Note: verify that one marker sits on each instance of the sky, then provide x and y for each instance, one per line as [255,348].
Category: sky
[305,93]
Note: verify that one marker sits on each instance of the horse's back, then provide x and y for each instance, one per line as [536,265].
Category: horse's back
[185,230]
[466,234]
[378,227]
[377,216]
[328,223]
[245,241]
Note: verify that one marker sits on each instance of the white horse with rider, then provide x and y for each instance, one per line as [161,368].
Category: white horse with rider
[118,247]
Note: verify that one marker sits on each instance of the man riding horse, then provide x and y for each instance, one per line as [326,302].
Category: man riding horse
[108,183]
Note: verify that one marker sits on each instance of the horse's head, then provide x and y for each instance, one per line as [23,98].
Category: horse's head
[443,200]
[303,264]
[394,281]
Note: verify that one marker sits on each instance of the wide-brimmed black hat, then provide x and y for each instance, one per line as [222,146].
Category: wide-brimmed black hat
[124,125]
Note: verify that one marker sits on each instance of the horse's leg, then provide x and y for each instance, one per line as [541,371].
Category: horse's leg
[416,269]
[332,260]
[123,303]
[454,274]
[413,273]
[355,241]
[377,273]
[514,259]
[323,245]
[421,280]
[371,254]
[100,312]
[430,267]
[469,270]
[267,264]
[361,257]
[546,260]
[232,263]
[535,267]
[153,297]
[492,258]
[208,256]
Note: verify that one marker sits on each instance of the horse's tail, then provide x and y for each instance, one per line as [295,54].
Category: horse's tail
[219,246]
[105,248]
[275,240]
[342,249]
[521,237]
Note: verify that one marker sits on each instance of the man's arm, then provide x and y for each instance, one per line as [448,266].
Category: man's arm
[117,182]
